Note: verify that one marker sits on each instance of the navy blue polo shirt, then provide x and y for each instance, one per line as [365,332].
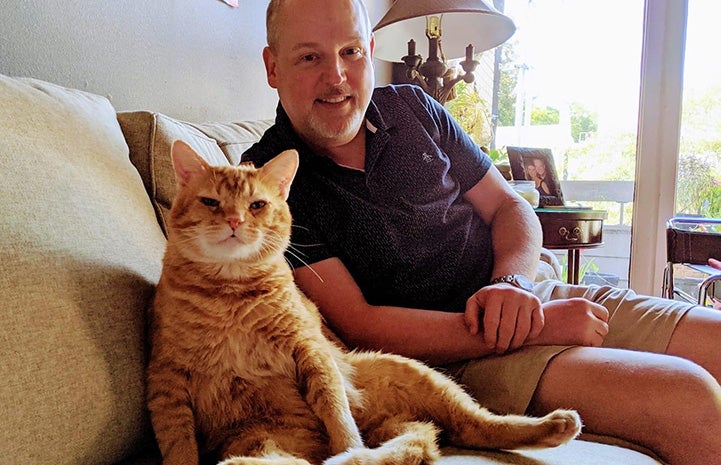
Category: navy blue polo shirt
[401,227]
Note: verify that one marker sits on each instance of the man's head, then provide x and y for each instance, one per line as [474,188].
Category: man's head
[319,58]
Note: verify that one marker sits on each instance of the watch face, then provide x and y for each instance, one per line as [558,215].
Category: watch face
[523,282]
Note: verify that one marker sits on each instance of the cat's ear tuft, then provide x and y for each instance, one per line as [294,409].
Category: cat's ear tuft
[281,170]
[186,162]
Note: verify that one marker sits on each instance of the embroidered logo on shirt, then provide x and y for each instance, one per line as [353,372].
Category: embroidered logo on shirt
[427,158]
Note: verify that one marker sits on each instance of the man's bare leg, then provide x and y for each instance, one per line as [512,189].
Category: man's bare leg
[667,404]
[698,337]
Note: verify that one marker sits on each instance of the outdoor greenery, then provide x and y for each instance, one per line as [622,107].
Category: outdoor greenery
[545,115]
[472,113]
[607,156]
[699,188]
[507,86]
[584,123]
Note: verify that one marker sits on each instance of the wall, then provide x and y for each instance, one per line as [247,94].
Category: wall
[197,60]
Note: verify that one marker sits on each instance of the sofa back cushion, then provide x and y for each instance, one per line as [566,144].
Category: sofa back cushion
[150,136]
[80,253]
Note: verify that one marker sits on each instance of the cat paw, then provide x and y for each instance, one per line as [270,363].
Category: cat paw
[563,425]
[355,456]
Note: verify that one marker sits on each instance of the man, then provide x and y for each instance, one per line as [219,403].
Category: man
[410,241]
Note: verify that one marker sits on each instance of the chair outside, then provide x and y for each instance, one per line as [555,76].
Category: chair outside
[691,242]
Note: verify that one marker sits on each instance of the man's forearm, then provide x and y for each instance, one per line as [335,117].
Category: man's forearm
[431,336]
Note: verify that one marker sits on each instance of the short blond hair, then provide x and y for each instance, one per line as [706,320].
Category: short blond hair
[274,9]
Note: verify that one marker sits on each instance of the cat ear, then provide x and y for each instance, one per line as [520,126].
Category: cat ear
[186,162]
[281,171]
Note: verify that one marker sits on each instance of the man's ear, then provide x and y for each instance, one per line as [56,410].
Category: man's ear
[270,66]
[186,162]
[280,171]
[372,45]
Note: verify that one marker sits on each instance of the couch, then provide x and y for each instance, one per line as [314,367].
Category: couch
[85,196]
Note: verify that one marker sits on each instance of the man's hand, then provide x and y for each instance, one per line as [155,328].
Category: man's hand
[712,262]
[574,321]
[511,316]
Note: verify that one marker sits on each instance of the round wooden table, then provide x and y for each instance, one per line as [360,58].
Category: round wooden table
[572,229]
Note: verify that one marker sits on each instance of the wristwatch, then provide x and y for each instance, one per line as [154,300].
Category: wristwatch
[517,280]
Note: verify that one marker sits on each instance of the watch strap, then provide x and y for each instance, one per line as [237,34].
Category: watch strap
[516,280]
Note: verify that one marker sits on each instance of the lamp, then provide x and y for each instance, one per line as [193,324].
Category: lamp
[458,27]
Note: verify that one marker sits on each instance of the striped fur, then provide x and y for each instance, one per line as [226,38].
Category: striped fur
[240,367]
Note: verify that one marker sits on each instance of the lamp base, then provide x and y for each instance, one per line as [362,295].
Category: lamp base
[432,76]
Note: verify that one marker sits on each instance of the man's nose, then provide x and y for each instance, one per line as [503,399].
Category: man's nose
[335,72]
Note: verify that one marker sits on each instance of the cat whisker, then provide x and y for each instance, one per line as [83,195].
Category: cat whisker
[305,245]
[295,249]
[305,264]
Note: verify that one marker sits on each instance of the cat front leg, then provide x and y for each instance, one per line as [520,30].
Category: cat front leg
[324,391]
[171,415]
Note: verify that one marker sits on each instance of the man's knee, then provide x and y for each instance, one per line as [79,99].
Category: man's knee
[685,384]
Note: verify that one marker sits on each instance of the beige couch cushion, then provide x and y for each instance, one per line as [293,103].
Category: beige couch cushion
[80,252]
[150,136]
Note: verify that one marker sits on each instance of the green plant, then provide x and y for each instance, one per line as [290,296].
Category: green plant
[498,156]
[698,191]
[471,112]
[545,115]
[586,266]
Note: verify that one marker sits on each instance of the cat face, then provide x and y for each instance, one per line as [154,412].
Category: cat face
[227,214]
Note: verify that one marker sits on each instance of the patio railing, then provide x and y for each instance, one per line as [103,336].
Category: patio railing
[619,192]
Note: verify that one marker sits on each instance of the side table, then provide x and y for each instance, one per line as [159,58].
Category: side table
[572,229]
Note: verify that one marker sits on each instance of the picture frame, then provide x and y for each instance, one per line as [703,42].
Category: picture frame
[536,164]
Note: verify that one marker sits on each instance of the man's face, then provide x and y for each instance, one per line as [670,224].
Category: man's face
[540,167]
[322,68]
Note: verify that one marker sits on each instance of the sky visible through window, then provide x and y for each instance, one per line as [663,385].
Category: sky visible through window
[582,51]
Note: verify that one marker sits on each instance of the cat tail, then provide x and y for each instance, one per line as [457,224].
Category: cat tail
[406,442]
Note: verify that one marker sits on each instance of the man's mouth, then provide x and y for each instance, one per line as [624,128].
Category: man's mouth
[334,100]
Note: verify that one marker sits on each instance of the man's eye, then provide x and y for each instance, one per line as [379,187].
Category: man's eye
[309,58]
[257,205]
[353,52]
[207,201]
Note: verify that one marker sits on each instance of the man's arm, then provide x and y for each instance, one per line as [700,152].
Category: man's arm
[432,336]
[517,238]
[515,229]
[508,316]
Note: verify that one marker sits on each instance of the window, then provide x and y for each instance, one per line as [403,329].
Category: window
[569,81]
[698,185]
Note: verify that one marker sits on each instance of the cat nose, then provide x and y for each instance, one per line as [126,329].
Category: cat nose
[234,223]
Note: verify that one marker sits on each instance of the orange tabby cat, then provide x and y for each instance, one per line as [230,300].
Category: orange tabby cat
[240,366]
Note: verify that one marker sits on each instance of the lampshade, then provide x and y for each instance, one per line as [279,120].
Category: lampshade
[464,22]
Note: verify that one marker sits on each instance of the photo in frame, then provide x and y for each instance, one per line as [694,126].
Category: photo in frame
[536,164]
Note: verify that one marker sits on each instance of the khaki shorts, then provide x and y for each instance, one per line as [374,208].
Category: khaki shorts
[506,383]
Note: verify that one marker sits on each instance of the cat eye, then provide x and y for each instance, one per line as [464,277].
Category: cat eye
[258,204]
[207,201]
